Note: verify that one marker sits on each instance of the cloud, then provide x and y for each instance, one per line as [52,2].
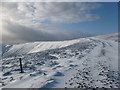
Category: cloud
[19,33]
[65,12]
[24,22]
[51,11]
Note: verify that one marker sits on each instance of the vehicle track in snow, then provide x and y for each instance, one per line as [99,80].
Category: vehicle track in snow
[97,71]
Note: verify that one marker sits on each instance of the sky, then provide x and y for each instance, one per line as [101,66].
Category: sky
[53,21]
[107,22]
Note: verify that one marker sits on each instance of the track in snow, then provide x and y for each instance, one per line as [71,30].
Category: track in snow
[96,70]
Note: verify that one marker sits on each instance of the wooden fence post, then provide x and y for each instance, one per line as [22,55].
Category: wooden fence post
[21,66]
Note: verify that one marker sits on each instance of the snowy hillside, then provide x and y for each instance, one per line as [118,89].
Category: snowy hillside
[82,63]
[34,47]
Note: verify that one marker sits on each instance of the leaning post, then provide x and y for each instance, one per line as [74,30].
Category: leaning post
[21,69]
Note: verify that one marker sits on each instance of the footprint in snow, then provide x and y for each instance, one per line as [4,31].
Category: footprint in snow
[59,74]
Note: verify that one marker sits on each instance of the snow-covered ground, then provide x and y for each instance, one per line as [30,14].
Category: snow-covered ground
[34,47]
[82,63]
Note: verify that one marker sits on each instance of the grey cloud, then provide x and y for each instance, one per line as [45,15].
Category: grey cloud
[22,34]
[23,22]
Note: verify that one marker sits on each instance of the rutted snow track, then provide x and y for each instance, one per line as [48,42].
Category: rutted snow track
[89,64]
[96,70]
[100,69]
